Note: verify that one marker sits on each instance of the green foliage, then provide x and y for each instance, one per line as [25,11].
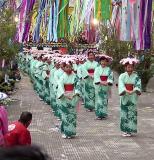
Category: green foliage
[8,48]
[114,48]
[144,69]
[118,50]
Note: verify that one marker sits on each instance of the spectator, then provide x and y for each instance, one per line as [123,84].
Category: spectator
[23,153]
[3,120]
[18,133]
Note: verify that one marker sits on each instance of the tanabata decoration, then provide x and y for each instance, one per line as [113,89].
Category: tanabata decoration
[132,20]
[63,25]
[53,22]
[24,20]
[36,34]
[102,9]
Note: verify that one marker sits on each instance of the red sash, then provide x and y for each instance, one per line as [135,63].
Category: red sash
[129,87]
[69,87]
[91,71]
[103,78]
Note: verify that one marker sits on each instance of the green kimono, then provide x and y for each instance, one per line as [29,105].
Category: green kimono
[28,62]
[101,92]
[89,90]
[23,62]
[45,87]
[81,80]
[75,67]
[38,77]
[68,107]
[32,65]
[57,75]
[52,93]
[128,114]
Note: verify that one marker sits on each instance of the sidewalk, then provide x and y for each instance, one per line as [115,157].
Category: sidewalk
[96,140]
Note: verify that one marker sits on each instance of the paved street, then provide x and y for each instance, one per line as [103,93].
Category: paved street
[96,140]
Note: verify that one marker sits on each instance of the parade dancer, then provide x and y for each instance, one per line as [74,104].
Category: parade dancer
[80,75]
[52,88]
[68,95]
[129,90]
[45,75]
[88,75]
[103,79]
[57,75]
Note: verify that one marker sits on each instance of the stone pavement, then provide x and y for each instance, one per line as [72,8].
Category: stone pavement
[96,140]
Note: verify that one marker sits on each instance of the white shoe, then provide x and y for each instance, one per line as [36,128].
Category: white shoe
[64,136]
[126,135]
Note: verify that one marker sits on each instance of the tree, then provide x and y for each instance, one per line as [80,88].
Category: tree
[118,50]
[8,47]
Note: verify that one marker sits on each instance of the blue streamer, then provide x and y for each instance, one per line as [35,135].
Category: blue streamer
[36,35]
[49,35]
[53,22]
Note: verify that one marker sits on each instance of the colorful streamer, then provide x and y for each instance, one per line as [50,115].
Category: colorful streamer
[145,25]
[36,34]
[28,20]
[102,9]
[22,17]
[53,22]
[63,19]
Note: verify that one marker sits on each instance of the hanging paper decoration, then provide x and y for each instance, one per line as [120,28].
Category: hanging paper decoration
[102,9]
[89,13]
[116,17]
[36,34]
[2,3]
[75,19]
[132,2]
[22,17]
[53,22]
[145,24]
[85,11]
[28,20]
[126,22]
[33,21]
[136,22]
[130,18]
[12,4]
[50,26]
[63,19]
[26,8]
[45,20]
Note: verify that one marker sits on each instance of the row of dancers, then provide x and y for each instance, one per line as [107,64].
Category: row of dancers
[63,80]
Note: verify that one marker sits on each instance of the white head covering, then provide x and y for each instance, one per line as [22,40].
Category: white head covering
[129,60]
[110,59]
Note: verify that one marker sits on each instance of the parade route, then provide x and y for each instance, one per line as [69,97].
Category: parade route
[96,140]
